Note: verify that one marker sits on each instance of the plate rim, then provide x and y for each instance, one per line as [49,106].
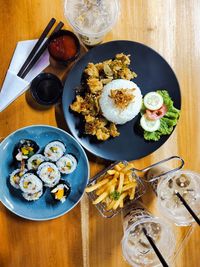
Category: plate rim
[82,58]
[88,171]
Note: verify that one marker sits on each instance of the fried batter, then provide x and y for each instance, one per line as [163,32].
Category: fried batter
[113,130]
[92,70]
[95,86]
[125,59]
[126,74]
[87,105]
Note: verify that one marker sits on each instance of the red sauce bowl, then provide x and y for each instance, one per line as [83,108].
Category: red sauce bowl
[64,46]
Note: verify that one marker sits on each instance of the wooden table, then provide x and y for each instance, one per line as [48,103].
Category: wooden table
[82,237]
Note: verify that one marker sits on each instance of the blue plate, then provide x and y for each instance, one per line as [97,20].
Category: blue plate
[45,208]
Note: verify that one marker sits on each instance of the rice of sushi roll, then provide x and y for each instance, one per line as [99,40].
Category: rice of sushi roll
[25,149]
[61,191]
[48,173]
[34,161]
[34,196]
[15,177]
[30,183]
[67,164]
[54,150]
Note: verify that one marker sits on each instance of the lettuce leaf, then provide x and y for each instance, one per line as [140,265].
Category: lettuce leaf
[167,122]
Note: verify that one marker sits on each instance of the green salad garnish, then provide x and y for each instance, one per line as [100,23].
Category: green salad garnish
[115,195]
[167,122]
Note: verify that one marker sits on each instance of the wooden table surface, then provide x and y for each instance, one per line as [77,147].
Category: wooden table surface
[82,237]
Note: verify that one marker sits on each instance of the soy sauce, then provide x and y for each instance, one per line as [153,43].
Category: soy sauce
[46,89]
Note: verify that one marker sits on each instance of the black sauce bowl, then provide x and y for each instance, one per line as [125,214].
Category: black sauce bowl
[77,43]
[46,89]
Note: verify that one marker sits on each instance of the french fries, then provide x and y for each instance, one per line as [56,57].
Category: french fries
[115,186]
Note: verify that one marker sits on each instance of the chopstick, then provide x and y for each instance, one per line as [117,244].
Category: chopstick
[41,50]
[188,208]
[156,250]
[37,45]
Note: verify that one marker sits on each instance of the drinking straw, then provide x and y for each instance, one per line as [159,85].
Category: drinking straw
[156,250]
[188,208]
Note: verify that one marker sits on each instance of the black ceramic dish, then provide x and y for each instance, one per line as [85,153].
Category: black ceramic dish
[153,73]
[46,89]
[69,33]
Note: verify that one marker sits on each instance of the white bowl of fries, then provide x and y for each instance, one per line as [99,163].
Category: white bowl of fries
[114,187]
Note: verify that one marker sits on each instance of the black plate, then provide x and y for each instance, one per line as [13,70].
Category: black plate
[153,73]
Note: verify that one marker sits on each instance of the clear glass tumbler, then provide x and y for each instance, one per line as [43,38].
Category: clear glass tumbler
[187,183]
[91,19]
[136,249]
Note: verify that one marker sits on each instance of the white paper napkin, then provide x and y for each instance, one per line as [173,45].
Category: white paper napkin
[13,85]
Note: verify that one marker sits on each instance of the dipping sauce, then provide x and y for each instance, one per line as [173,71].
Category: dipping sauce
[64,46]
[46,89]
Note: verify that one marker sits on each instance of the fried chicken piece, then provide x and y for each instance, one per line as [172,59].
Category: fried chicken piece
[93,124]
[106,80]
[89,118]
[91,70]
[125,59]
[90,128]
[95,86]
[113,130]
[116,65]
[78,105]
[126,74]
[107,70]
[87,105]
[102,134]
[99,66]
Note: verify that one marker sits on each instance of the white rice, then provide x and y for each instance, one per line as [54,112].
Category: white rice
[32,197]
[108,107]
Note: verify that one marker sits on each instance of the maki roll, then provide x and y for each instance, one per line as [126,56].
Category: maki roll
[34,196]
[25,149]
[30,183]
[49,174]
[54,150]
[61,191]
[35,161]
[15,177]
[67,164]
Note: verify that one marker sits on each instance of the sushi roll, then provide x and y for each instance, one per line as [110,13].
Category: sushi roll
[48,173]
[54,150]
[25,149]
[34,196]
[34,161]
[61,191]
[15,177]
[30,183]
[67,164]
